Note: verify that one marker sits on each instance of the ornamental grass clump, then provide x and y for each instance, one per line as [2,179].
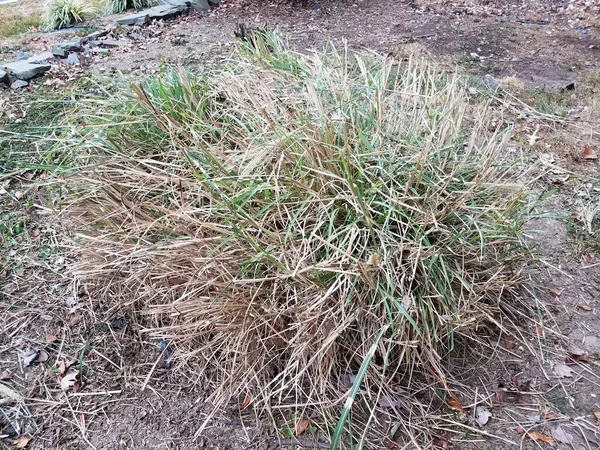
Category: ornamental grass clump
[296,226]
[62,13]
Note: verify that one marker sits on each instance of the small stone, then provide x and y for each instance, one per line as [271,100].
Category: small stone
[73,59]
[63,49]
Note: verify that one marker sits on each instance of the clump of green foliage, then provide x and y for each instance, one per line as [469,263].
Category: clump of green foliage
[62,13]
[308,230]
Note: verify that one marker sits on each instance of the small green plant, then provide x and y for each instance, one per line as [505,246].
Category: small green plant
[118,6]
[61,13]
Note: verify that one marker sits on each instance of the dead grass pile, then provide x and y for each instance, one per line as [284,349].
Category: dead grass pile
[310,231]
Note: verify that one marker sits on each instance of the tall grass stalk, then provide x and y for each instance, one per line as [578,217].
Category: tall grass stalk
[277,216]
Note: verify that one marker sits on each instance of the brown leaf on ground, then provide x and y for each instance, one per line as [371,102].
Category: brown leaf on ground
[246,401]
[555,292]
[584,307]
[578,355]
[509,344]
[442,442]
[500,396]
[589,154]
[77,386]
[68,381]
[597,415]
[455,404]
[62,368]
[21,442]
[541,437]
[563,371]
[520,430]
[301,426]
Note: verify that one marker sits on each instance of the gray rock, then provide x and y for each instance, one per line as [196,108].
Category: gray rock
[19,55]
[140,18]
[200,5]
[186,3]
[41,58]
[108,43]
[3,76]
[73,59]
[166,11]
[97,34]
[19,84]
[63,49]
[24,70]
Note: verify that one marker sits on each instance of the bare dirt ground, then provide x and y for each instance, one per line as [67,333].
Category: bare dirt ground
[130,397]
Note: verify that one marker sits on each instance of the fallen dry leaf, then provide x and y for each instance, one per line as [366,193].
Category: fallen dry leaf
[597,415]
[301,426]
[62,368]
[563,371]
[77,386]
[520,430]
[455,404]
[442,442]
[246,401]
[589,154]
[482,415]
[509,344]
[584,307]
[68,381]
[21,442]
[555,292]
[561,435]
[578,355]
[541,437]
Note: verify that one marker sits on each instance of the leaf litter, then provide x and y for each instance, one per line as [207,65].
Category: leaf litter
[561,435]
[482,415]
[563,371]
[536,436]
[68,381]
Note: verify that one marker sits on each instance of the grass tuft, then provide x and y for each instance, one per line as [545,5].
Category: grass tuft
[62,13]
[290,222]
